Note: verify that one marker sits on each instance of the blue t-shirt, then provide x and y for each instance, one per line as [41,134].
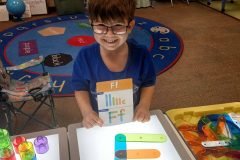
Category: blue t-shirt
[89,68]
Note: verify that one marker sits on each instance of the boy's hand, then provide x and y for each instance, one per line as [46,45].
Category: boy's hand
[142,114]
[91,119]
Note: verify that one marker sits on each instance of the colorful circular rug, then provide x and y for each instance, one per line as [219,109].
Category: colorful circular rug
[59,40]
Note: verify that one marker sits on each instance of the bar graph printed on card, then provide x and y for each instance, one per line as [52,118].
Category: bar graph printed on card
[115,101]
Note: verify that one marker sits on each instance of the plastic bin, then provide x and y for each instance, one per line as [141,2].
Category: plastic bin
[190,117]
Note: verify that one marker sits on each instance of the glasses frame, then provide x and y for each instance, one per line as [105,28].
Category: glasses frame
[107,28]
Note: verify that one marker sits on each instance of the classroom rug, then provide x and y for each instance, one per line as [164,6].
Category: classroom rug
[60,38]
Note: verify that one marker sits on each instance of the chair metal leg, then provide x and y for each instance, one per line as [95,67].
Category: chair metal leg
[22,105]
[53,110]
[8,116]
[9,121]
[151,3]
[223,6]
[31,116]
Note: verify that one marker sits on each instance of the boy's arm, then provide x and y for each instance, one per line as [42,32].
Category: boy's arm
[142,112]
[90,117]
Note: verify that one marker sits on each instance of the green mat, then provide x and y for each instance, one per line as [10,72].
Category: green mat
[232,9]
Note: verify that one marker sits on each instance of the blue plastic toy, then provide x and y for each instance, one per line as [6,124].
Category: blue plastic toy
[16,8]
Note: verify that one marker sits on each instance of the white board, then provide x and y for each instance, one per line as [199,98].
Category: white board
[98,143]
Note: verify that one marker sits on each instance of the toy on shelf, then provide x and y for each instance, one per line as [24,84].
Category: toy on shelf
[16,8]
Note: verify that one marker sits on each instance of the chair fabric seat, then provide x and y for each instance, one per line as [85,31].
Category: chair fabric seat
[20,90]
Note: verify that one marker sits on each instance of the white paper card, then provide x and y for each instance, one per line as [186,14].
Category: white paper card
[27,13]
[115,101]
[4,13]
[37,6]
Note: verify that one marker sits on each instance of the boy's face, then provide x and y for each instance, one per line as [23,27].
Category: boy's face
[112,35]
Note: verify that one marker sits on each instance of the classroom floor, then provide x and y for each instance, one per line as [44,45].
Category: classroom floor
[231,8]
[208,71]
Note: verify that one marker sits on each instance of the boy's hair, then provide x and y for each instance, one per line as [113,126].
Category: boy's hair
[106,10]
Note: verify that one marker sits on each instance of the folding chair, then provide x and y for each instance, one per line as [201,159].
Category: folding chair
[15,94]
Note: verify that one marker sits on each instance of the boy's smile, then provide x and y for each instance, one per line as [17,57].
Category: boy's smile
[111,42]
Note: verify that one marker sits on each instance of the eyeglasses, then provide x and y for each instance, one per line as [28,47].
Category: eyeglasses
[116,29]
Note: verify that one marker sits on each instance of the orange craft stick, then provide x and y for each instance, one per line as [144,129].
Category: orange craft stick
[142,153]
[187,128]
[211,136]
[222,128]
[190,136]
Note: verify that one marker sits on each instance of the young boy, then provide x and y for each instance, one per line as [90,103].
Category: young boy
[113,57]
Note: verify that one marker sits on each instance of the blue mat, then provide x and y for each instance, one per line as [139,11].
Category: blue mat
[60,38]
